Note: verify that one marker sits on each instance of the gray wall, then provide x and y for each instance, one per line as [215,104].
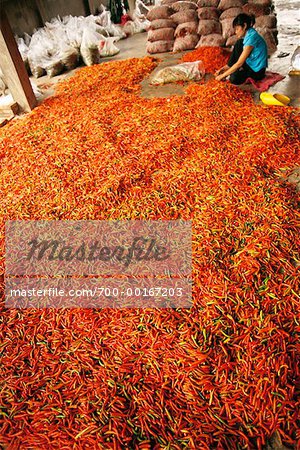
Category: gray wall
[94,4]
[26,15]
[53,8]
[23,15]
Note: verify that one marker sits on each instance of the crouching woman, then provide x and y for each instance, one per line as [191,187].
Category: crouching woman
[249,57]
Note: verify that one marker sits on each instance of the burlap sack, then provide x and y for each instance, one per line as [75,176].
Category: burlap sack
[208,13]
[204,3]
[266,21]
[159,12]
[209,27]
[185,16]
[230,13]
[261,2]
[270,39]
[256,10]
[163,34]
[162,23]
[227,28]
[211,40]
[186,28]
[159,46]
[226,4]
[231,41]
[187,42]
[183,6]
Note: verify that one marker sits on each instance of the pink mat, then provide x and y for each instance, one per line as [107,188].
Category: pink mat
[264,84]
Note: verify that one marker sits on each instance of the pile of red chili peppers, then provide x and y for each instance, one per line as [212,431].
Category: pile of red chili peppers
[212,57]
[221,375]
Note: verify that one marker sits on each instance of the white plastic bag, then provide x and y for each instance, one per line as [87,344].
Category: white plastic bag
[53,65]
[35,60]
[136,26]
[38,94]
[43,43]
[107,47]
[141,25]
[116,31]
[89,48]
[6,100]
[102,30]
[104,19]
[27,39]
[131,28]
[55,23]
[74,27]
[62,55]
[23,48]
[2,86]
[181,72]
[41,47]
[295,61]
[57,32]
[139,22]
[69,57]
[141,10]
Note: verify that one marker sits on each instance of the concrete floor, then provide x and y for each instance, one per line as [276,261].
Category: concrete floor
[288,27]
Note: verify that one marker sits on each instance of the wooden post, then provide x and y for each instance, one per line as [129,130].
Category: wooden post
[13,67]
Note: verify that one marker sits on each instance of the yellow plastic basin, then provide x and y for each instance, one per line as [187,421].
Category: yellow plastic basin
[274,99]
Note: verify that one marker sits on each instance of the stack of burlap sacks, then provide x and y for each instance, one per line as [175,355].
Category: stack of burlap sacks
[265,21]
[174,26]
[227,10]
[184,25]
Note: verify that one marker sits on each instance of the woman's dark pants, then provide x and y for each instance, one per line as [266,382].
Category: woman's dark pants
[244,72]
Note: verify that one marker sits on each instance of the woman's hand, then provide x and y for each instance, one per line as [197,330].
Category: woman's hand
[222,70]
[218,72]
[221,74]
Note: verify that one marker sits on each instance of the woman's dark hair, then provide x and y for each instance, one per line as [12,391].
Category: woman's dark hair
[243,19]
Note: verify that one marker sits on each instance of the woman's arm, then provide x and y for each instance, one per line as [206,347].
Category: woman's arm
[246,52]
[222,70]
